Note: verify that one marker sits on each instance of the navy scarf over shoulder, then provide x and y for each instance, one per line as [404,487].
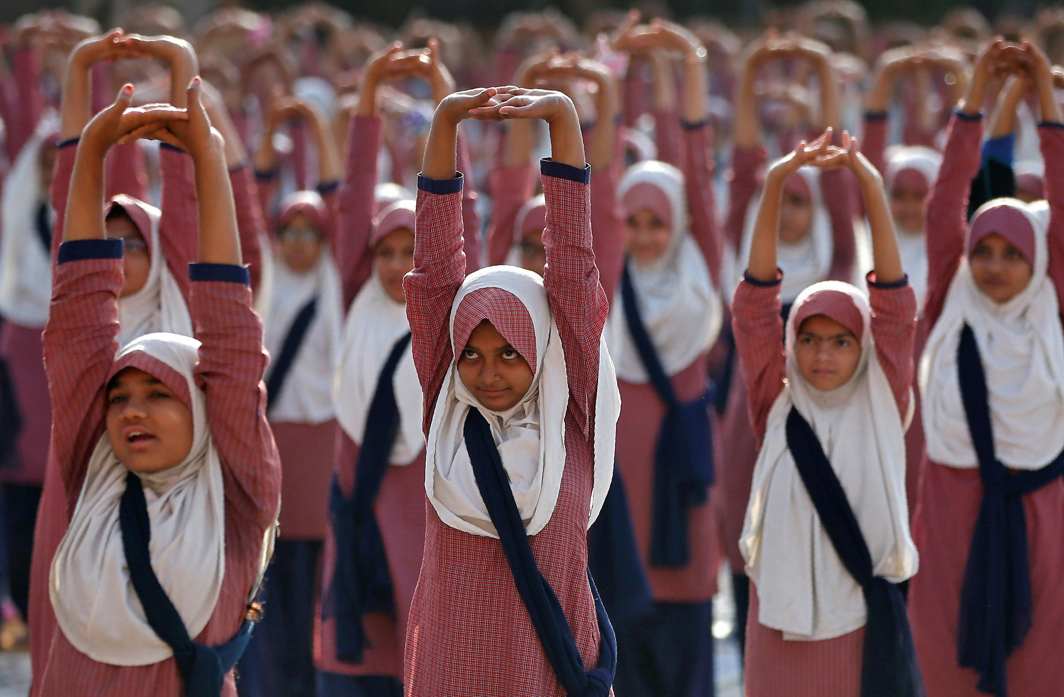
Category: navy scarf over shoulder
[683,454]
[286,357]
[361,582]
[996,606]
[202,668]
[538,597]
[888,664]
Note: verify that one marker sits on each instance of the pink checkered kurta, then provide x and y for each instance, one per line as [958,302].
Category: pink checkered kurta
[400,505]
[179,217]
[469,632]
[79,349]
[951,497]
[833,666]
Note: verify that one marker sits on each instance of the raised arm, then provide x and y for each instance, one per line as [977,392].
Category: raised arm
[947,205]
[80,337]
[439,259]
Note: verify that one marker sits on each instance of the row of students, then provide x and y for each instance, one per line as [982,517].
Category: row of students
[502,319]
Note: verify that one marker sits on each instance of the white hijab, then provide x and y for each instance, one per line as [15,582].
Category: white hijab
[374,323]
[1022,350]
[804,262]
[680,307]
[306,396]
[25,264]
[803,589]
[911,243]
[159,306]
[530,436]
[93,597]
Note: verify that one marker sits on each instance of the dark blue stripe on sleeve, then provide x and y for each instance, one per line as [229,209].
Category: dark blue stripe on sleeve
[229,273]
[893,285]
[96,248]
[762,283]
[1051,124]
[693,125]
[965,116]
[440,186]
[328,187]
[552,168]
[173,148]
[68,142]
[875,116]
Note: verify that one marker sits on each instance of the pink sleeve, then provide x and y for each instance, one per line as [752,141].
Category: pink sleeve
[511,187]
[947,210]
[79,345]
[439,269]
[1052,138]
[840,211]
[636,91]
[179,222]
[127,171]
[249,220]
[65,155]
[894,328]
[231,364]
[874,139]
[356,198]
[607,224]
[26,66]
[742,186]
[701,203]
[470,216]
[668,138]
[758,329]
[577,300]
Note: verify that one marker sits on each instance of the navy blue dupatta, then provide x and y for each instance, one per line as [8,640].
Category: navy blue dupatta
[683,454]
[888,664]
[548,618]
[361,582]
[996,609]
[202,668]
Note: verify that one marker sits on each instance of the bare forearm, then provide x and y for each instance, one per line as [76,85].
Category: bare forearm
[603,138]
[439,159]
[219,242]
[76,106]
[886,259]
[762,264]
[694,102]
[84,212]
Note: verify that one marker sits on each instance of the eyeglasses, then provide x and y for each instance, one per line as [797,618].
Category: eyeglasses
[134,245]
[299,234]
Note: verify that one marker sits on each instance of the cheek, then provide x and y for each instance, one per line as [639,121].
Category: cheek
[175,421]
[467,373]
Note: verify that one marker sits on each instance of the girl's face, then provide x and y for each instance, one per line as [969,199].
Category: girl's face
[490,368]
[796,217]
[646,236]
[393,258]
[136,261]
[533,255]
[907,208]
[149,428]
[999,268]
[827,353]
[301,244]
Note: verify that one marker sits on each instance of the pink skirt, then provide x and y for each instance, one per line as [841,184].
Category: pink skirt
[307,452]
[21,348]
[777,668]
[943,530]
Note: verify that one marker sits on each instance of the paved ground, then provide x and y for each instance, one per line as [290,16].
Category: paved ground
[15,667]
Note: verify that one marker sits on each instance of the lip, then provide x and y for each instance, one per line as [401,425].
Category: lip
[493,393]
[146,441]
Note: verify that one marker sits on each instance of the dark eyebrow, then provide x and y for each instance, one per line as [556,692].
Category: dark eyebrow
[842,335]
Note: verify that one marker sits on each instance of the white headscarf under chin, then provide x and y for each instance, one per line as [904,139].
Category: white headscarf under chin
[95,604]
[679,305]
[803,588]
[530,436]
[911,243]
[1022,351]
[374,324]
[159,305]
[306,396]
[808,260]
[25,264]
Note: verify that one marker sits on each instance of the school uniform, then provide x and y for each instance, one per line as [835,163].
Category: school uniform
[973,639]
[827,252]
[212,512]
[361,626]
[160,305]
[471,630]
[810,616]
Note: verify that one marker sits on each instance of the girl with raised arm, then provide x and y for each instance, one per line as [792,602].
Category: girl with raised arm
[826,533]
[520,413]
[986,606]
[167,462]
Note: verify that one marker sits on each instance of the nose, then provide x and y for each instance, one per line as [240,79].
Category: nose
[133,410]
